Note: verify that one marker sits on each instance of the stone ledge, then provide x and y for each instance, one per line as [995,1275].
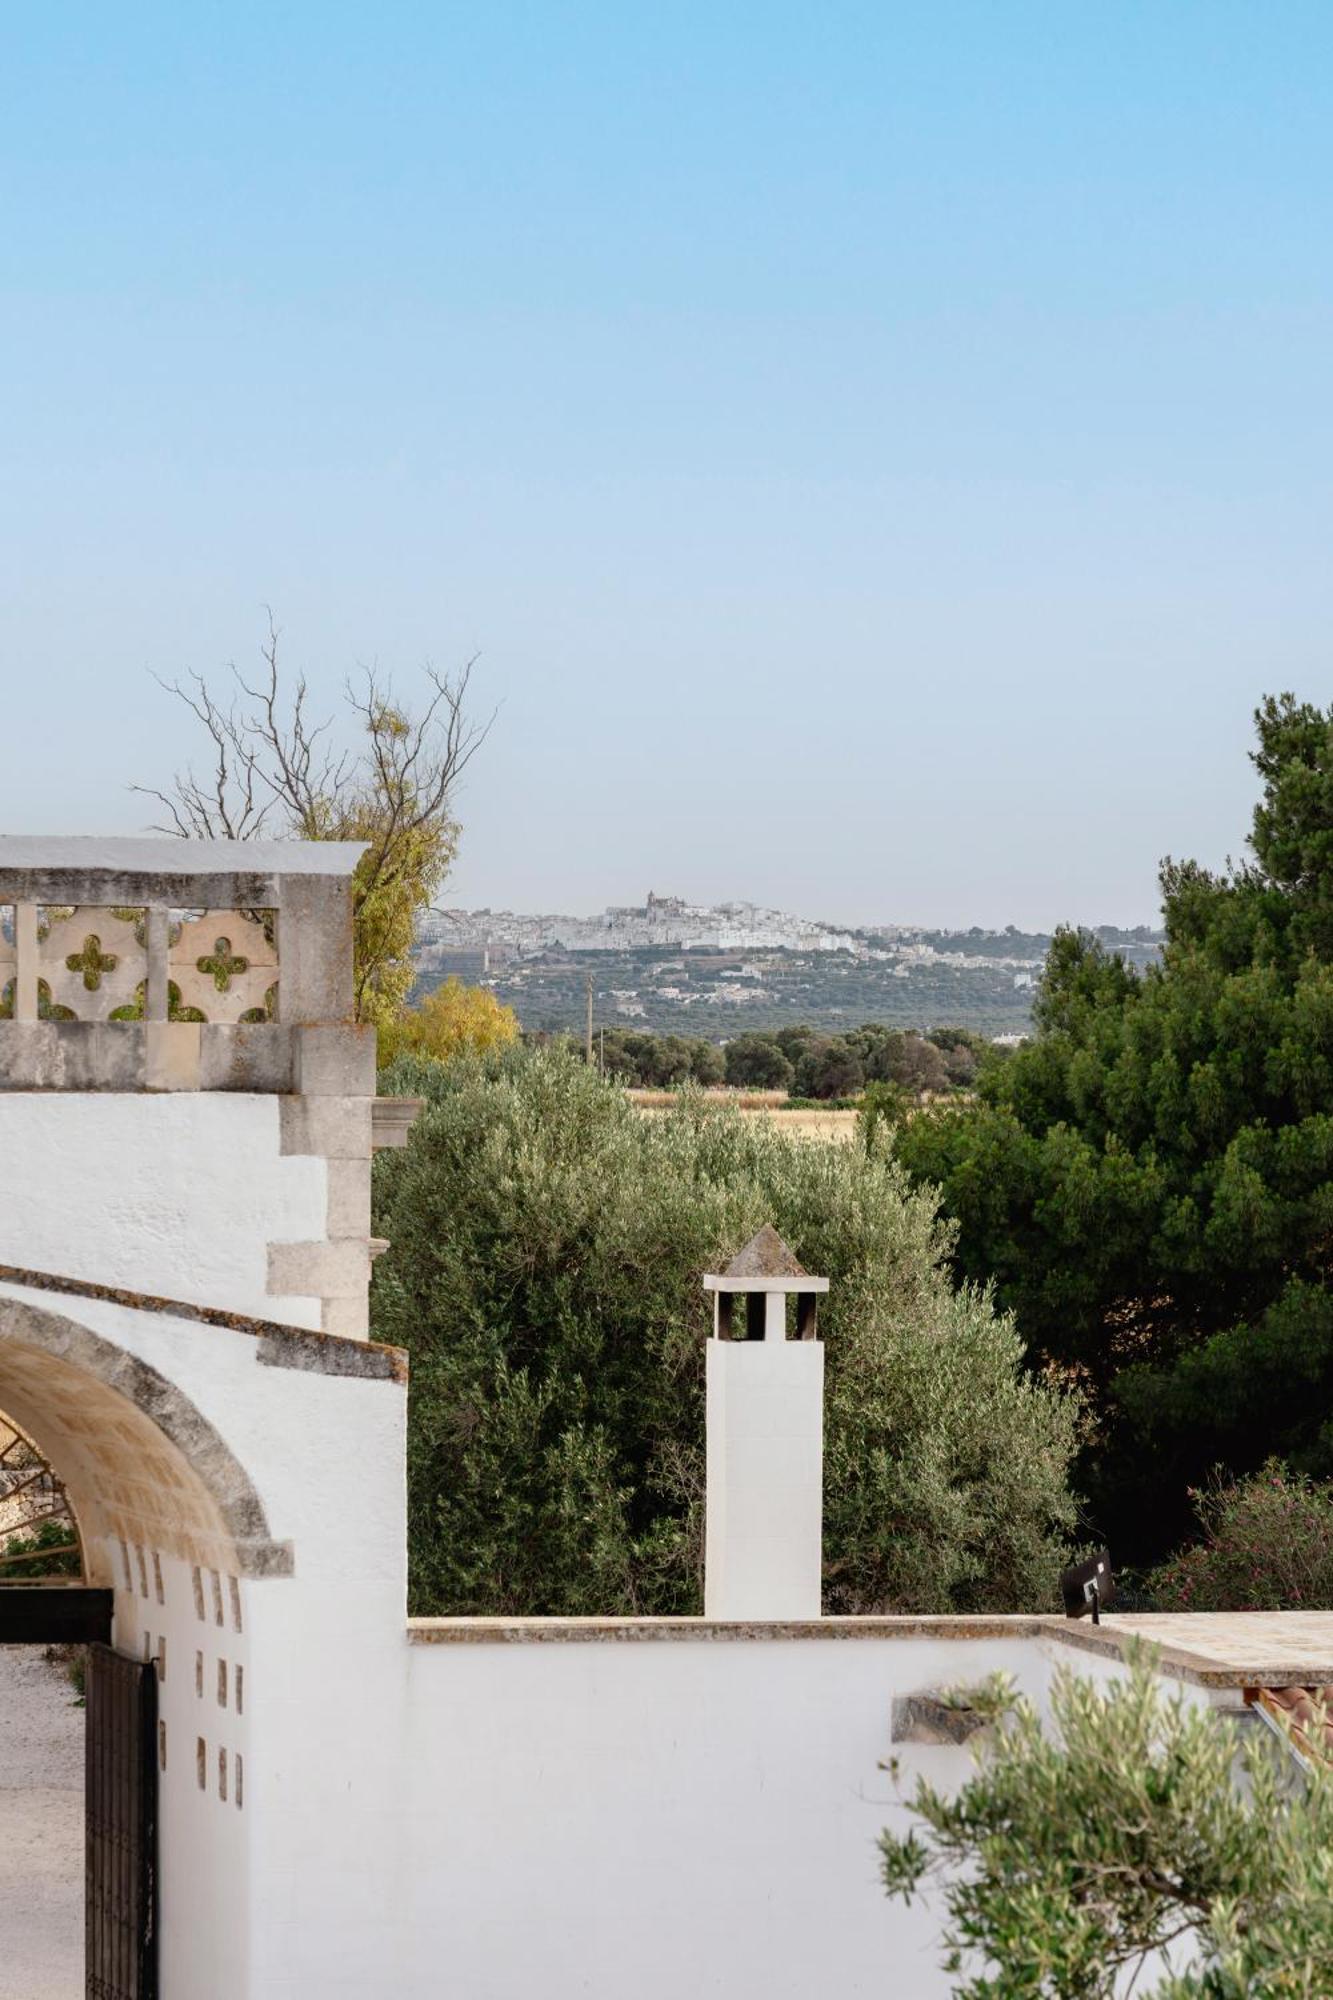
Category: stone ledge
[392,1119]
[321,1066]
[149,1056]
[1285,1653]
[280,1345]
[717,1631]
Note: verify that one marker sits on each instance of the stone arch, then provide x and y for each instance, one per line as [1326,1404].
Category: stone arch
[140,1462]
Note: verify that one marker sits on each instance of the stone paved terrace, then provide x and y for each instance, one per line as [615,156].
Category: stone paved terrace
[1232,1648]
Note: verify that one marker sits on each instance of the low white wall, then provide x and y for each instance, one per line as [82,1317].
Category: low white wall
[641,1815]
[668,1818]
[177,1195]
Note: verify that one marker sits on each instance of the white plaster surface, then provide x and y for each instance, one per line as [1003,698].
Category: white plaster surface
[284,1894]
[765,1477]
[670,1819]
[178,1194]
[484,1820]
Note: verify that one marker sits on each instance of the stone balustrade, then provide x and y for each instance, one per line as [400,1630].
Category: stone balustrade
[101,964]
[174,964]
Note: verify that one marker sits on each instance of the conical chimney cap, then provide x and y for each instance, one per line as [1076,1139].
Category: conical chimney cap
[765,1264]
[765,1256]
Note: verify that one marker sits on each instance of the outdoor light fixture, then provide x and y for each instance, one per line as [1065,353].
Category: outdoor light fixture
[1088,1587]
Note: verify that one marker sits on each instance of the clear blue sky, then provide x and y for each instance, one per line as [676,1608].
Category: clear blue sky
[881,453]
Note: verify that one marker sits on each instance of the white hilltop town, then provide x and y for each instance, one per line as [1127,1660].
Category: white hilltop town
[663,920]
[671,964]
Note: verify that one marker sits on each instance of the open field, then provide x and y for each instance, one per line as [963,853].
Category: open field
[834,1127]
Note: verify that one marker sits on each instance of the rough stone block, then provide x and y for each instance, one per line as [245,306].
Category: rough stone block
[315,950]
[246,1056]
[393,1119]
[931,1718]
[319,1270]
[335,1061]
[349,1198]
[349,1317]
[336,1128]
[172,1055]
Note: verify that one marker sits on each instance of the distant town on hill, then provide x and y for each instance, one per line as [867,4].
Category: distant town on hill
[685,968]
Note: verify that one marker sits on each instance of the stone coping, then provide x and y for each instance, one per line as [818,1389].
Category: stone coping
[648,1631]
[151,854]
[281,1345]
[166,873]
[1218,1650]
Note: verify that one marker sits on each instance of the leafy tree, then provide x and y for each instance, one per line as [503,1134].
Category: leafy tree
[708,1061]
[883,1106]
[448,1021]
[756,1062]
[1149,1182]
[1072,1864]
[905,1058]
[672,1060]
[1267,1545]
[657,1062]
[272,771]
[964,1053]
[547,1248]
[828,1066]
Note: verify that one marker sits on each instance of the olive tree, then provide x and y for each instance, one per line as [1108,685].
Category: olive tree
[548,1242]
[1133,1847]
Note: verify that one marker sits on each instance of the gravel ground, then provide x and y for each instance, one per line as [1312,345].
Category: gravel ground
[41,1830]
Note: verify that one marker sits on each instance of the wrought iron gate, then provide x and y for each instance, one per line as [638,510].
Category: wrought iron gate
[121,1772]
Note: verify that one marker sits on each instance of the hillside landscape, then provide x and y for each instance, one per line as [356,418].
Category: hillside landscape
[678,968]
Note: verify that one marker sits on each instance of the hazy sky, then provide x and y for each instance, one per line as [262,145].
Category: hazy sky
[881,453]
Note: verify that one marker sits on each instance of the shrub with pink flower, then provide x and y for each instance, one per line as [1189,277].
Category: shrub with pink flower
[1267,1545]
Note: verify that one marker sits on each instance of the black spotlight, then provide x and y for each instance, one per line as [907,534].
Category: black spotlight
[1088,1587]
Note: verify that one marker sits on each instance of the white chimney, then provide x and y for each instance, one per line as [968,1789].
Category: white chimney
[765,1429]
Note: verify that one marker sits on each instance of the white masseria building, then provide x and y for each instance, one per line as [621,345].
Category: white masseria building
[295,1790]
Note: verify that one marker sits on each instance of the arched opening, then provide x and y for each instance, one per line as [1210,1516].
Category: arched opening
[171,1528]
[138,1460]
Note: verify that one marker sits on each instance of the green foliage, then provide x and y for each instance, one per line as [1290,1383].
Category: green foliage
[547,1248]
[883,1106]
[1267,1545]
[1150,1181]
[653,1062]
[914,1062]
[757,1062]
[49,1536]
[828,1066]
[816,1069]
[1069,1860]
[448,1021]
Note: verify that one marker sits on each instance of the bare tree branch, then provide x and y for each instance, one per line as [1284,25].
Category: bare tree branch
[271,765]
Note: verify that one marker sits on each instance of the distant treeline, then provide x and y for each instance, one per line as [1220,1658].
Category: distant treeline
[800,1060]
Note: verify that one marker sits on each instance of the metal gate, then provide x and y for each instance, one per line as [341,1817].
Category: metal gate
[121,1795]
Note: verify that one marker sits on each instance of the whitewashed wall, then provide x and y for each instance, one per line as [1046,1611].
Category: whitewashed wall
[668,1818]
[500,1816]
[284,1894]
[178,1194]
